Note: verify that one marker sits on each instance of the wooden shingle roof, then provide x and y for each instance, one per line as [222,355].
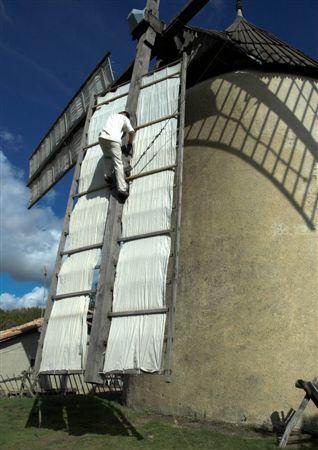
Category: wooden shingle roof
[265,47]
[242,46]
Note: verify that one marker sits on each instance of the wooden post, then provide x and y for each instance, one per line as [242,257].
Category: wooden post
[293,421]
[103,299]
[110,250]
[142,60]
[171,294]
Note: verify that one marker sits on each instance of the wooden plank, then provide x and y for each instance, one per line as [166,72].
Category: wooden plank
[30,386]
[74,294]
[141,312]
[81,249]
[75,382]
[110,251]
[5,384]
[171,295]
[90,191]
[144,235]
[293,421]
[184,16]
[80,379]
[113,99]
[9,380]
[91,145]
[142,60]
[121,372]
[167,77]
[61,372]
[103,299]
[16,383]
[153,122]
[150,172]
[14,378]
[65,231]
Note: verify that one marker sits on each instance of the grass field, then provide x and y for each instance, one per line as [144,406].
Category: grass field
[87,423]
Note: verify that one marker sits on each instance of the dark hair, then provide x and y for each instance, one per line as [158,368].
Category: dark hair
[126,113]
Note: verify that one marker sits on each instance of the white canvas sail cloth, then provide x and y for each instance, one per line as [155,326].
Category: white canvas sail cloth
[136,342]
[65,342]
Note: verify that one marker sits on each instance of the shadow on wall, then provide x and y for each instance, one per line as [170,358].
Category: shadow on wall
[269,121]
[79,415]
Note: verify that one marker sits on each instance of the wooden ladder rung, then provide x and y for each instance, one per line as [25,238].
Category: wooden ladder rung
[82,249]
[142,312]
[145,235]
[74,294]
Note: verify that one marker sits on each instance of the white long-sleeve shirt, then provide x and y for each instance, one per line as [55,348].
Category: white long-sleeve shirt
[115,126]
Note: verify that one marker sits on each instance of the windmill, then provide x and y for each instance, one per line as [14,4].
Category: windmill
[239,107]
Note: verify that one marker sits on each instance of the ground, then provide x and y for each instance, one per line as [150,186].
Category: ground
[86,423]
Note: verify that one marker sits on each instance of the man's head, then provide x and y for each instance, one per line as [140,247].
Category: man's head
[125,113]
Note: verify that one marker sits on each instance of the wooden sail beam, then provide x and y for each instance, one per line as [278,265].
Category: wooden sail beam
[171,294]
[184,16]
[110,249]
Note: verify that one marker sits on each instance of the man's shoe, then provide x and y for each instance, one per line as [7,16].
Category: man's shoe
[127,170]
[123,194]
[108,179]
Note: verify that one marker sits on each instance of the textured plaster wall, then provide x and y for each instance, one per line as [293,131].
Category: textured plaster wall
[246,319]
[16,354]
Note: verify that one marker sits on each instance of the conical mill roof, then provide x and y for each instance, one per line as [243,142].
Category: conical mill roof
[241,46]
[264,46]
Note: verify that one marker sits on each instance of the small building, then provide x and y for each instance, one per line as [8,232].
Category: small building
[18,347]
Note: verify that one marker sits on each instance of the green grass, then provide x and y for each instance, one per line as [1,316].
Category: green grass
[87,423]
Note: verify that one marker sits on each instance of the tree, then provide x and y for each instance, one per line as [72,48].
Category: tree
[14,317]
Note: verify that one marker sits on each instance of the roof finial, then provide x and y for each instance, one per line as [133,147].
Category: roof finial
[239,8]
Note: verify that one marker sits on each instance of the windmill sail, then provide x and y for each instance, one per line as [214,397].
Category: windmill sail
[58,150]
[135,342]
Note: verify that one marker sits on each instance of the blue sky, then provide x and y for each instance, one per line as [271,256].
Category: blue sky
[47,49]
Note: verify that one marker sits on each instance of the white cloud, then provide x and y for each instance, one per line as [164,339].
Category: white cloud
[50,196]
[37,297]
[15,142]
[29,238]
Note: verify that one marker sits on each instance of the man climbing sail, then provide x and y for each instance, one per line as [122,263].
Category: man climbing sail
[110,140]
